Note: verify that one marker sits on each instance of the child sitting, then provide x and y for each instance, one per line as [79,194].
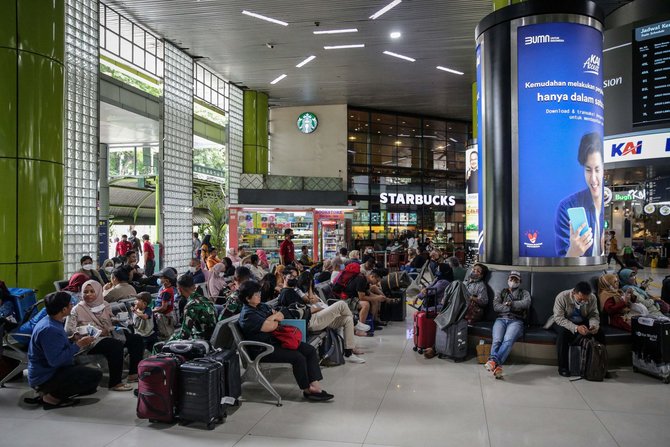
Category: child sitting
[143,320]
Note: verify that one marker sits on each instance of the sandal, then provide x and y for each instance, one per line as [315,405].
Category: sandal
[132,378]
[121,387]
[62,404]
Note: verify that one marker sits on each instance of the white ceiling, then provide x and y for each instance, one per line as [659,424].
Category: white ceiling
[434,32]
[119,126]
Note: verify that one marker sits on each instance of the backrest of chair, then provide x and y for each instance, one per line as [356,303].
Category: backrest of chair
[205,290]
[61,284]
[324,290]
[223,336]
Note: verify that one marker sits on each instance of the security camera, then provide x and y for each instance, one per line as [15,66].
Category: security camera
[270,45]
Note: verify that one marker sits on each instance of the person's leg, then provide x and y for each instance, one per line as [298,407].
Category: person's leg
[113,351]
[149,268]
[512,333]
[71,381]
[297,361]
[323,318]
[135,346]
[609,258]
[311,356]
[364,307]
[497,335]
[563,340]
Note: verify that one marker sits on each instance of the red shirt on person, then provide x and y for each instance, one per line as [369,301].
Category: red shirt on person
[123,247]
[149,250]
[287,251]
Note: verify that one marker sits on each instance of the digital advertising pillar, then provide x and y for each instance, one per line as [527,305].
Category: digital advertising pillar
[540,140]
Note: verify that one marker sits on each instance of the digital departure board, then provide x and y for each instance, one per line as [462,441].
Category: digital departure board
[651,74]
[658,190]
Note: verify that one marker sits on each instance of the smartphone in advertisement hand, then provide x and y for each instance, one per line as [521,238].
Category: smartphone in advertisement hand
[577,218]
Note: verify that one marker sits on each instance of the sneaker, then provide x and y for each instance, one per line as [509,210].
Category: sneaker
[490,366]
[362,327]
[353,358]
[498,372]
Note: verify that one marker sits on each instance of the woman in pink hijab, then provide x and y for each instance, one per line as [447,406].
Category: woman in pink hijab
[94,312]
[217,285]
[263,258]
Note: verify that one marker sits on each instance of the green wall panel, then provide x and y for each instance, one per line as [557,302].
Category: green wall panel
[40,276]
[41,108]
[8,274]
[40,211]
[249,160]
[42,27]
[7,102]
[8,23]
[250,133]
[262,120]
[8,210]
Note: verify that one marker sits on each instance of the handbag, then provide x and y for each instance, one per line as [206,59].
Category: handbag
[296,311]
[289,337]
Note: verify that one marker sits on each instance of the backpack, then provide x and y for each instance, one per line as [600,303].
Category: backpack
[343,279]
[665,290]
[331,349]
[395,281]
[593,360]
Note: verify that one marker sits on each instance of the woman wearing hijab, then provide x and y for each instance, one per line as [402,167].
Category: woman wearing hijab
[106,270]
[217,285]
[615,303]
[654,305]
[263,259]
[76,282]
[95,312]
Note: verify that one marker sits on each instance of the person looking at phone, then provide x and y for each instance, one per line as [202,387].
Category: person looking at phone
[51,369]
[584,237]
[575,314]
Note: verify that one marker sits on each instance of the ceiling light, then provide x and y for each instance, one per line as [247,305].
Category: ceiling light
[278,79]
[439,67]
[341,47]
[267,19]
[337,31]
[385,9]
[396,35]
[305,62]
[399,56]
[455,141]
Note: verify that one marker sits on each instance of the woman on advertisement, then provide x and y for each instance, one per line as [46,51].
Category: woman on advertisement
[579,217]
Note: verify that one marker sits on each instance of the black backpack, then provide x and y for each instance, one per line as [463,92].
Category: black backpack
[331,349]
[665,289]
[593,360]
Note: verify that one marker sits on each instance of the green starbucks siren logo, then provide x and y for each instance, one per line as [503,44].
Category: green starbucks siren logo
[307,122]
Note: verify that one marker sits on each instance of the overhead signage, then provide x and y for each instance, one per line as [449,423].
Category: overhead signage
[628,196]
[658,190]
[637,147]
[416,199]
[650,74]
[307,122]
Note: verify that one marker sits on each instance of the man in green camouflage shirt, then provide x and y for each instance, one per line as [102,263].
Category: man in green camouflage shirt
[199,314]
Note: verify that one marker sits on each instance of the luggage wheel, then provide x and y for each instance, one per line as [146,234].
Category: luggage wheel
[280,405]
[440,356]
[415,348]
[420,351]
[666,380]
[211,426]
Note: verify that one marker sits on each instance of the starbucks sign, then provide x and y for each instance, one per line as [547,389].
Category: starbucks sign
[307,122]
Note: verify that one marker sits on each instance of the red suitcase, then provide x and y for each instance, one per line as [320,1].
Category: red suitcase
[424,330]
[157,387]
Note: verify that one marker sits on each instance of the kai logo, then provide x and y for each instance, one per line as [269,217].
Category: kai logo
[628,148]
[532,237]
[592,65]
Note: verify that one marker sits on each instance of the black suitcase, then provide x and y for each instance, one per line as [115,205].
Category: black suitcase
[651,347]
[394,311]
[200,392]
[452,342]
[232,378]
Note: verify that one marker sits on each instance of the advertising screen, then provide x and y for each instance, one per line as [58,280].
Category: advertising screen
[472,194]
[473,202]
[560,140]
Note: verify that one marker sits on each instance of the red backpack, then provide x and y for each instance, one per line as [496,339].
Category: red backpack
[351,271]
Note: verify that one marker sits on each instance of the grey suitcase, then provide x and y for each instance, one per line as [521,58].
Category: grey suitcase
[452,342]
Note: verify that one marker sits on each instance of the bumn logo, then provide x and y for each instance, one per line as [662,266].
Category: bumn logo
[544,38]
[628,148]
[592,65]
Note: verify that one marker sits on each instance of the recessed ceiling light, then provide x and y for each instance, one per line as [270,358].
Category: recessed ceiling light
[385,9]
[336,31]
[341,47]
[278,79]
[305,62]
[439,67]
[399,56]
[262,17]
[396,35]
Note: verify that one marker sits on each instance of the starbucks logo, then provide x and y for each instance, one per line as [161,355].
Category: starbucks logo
[307,122]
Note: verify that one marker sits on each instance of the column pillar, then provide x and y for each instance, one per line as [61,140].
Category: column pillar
[255,132]
[31,142]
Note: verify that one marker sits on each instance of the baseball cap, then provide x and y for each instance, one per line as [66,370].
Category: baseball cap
[168,273]
[515,274]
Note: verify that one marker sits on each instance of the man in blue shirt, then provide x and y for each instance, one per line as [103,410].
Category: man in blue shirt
[51,369]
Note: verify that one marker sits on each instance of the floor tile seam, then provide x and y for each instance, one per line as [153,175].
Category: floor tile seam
[121,435]
[257,422]
[294,439]
[572,382]
[390,381]
[486,419]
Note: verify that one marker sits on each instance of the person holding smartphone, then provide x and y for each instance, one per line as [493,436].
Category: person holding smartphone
[574,239]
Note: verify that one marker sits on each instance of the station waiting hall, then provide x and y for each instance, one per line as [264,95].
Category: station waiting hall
[389,223]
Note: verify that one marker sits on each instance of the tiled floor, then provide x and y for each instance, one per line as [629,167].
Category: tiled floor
[397,398]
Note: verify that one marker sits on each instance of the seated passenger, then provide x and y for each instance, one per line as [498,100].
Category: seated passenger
[479,296]
[354,256]
[105,270]
[575,314]
[459,272]
[254,266]
[443,278]
[304,256]
[94,311]
[263,258]
[338,266]
[512,305]
[229,269]
[269,288]
[135,273]
[119,288]
[88,268]
[364,291]
[74,285]
[234,258]
[258,321]
[615,302]
[217,284]
[231,303]
[212,259]
[654,304]
[325,273]
[279,275]
[143,320]
[51,369]
[199,313]
[164,313]
[369,265]
[195,270]
[420,259]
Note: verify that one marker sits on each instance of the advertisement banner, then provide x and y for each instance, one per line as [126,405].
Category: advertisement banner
[635,147]
[477,201]
[560,146]
[472,194]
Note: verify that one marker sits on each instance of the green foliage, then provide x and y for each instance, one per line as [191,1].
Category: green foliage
[212,158]
[217,214]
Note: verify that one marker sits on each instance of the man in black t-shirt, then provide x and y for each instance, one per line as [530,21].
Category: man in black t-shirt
[365,289]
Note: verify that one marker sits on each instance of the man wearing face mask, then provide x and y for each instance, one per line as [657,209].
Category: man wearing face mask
[511,304]
[575,314]
[196,271]
[286,249]
[88,268]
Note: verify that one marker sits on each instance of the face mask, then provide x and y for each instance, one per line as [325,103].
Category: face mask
[222,274]
[109,269]
[513,284]
[192,269]
[292,282]
[98,309]
[87,266]
[158,282]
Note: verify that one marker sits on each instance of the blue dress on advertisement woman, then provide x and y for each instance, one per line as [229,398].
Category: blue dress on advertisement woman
[562,227]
